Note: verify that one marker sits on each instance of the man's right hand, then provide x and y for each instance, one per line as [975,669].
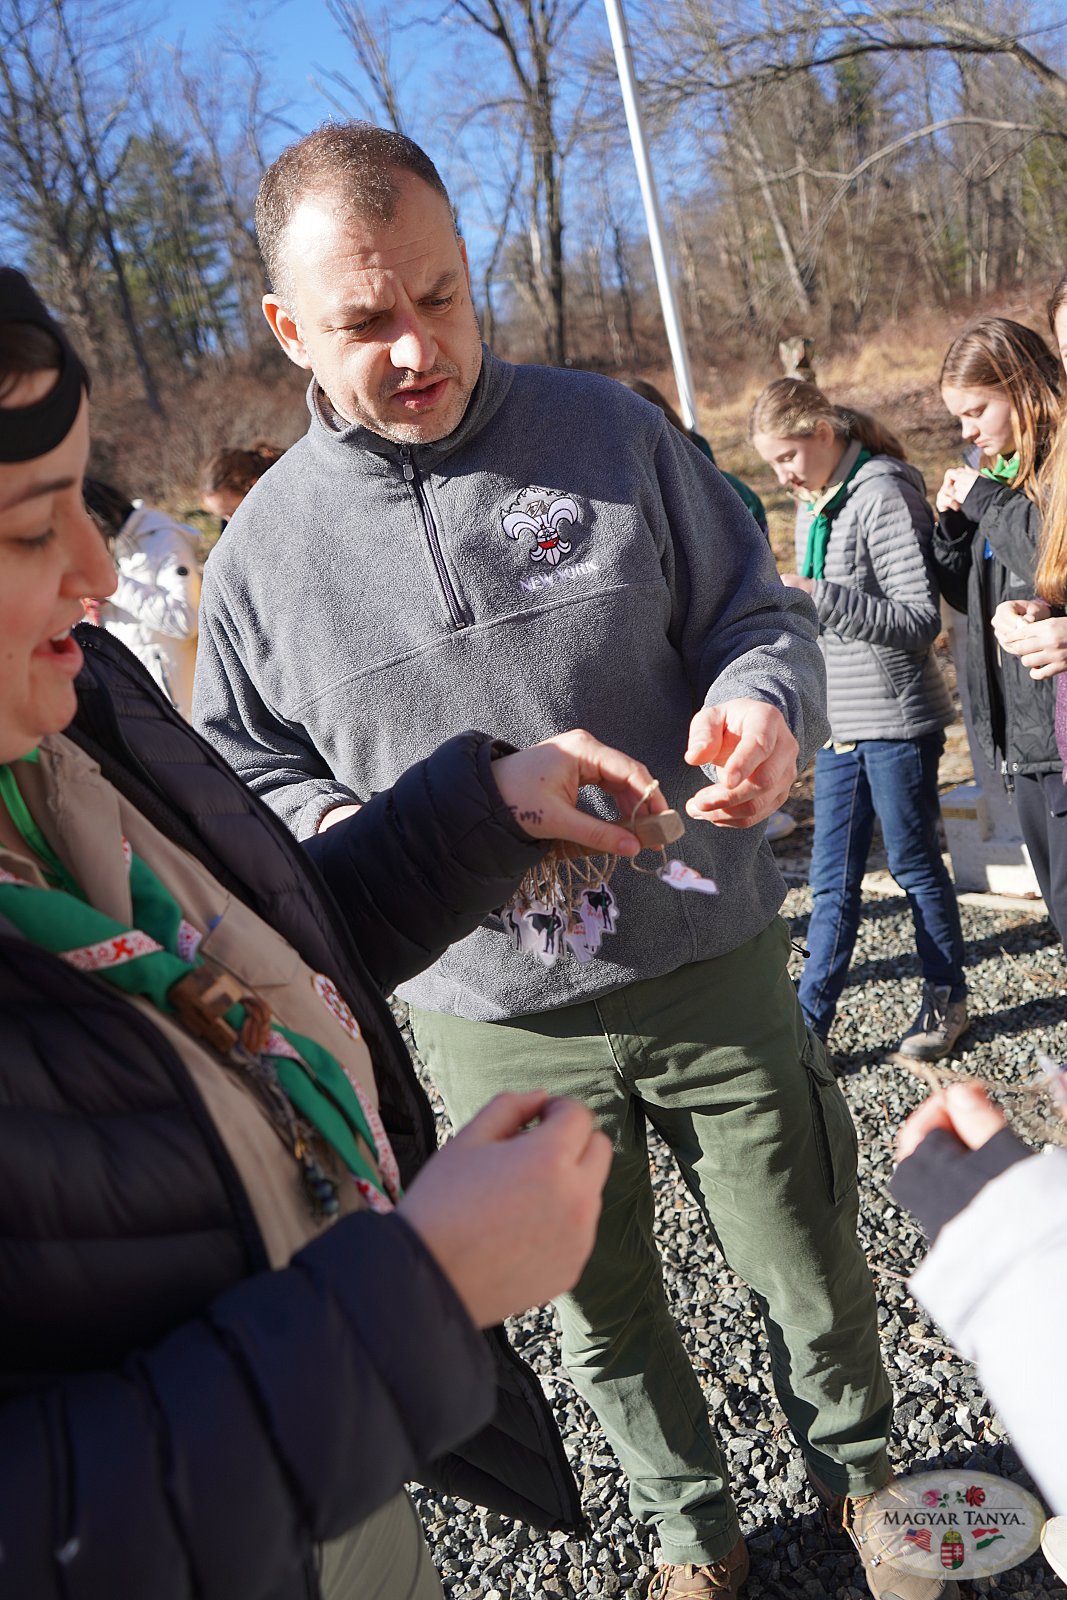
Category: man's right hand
[509,1208]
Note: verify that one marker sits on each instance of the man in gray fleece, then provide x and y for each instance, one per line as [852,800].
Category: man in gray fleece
[458,542]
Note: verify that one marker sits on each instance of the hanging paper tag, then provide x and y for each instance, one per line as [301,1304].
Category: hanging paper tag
[512,916]
[600,910]
[581,941]
[545,927]
[549,930]
[678,876]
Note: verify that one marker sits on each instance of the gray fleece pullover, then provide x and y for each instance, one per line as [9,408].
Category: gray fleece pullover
[565,558]
[878,606]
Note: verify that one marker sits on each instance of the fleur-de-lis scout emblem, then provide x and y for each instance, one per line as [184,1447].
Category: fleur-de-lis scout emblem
[546,516]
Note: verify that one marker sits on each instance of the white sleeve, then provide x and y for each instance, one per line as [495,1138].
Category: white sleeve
[996,1282]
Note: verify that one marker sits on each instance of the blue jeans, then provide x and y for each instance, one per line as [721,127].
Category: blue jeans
[895,780]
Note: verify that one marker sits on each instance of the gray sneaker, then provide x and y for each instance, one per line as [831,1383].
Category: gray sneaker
[939,1024]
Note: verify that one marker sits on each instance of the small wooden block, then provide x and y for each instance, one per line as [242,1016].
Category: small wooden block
[662,828]
[201,998]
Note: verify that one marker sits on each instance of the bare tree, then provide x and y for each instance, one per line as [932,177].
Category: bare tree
[64,132]
[227,114]
[833,176]
[369,36]
[532,35]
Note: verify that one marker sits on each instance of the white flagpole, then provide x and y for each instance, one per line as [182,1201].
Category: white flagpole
[620,40]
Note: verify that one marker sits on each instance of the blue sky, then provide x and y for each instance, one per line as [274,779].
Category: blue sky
[296,37]
[299,42]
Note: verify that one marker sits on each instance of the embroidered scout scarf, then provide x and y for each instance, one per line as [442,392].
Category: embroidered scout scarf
[822,522]
[304,1085]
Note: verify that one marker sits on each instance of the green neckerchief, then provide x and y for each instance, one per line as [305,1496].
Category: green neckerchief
[822,522]
[1003,470]
[55,872]
[60,919]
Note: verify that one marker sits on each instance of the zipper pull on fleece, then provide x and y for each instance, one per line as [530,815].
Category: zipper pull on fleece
[406,465]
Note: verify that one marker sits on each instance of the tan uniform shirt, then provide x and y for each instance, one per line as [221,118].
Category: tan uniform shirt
[84,819]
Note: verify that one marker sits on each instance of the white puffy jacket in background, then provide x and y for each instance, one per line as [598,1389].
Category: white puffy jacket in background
[154,609]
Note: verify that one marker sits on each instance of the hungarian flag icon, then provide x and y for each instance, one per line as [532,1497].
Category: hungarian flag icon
[952,1550]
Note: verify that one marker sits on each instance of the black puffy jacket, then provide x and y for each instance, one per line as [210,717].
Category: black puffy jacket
[1013,714]
[175,1420]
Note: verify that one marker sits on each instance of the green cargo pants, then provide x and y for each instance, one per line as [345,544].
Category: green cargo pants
[383,1558]
[716,1056]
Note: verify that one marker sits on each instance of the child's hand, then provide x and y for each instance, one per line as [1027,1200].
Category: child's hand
[1041,646]
[963,1109]
[955,487]
[1011,618]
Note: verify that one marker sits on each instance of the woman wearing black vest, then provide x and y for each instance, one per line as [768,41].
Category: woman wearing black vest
[235,1315]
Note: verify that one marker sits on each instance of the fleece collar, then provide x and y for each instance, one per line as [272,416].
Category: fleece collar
[489,393]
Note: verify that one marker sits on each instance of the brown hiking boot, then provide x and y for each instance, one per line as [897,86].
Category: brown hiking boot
[884,1580]
[723,1579]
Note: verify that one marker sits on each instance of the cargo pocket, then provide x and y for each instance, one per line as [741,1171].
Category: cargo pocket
[831,1120]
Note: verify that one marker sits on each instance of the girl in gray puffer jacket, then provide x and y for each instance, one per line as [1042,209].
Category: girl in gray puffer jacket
[863,550]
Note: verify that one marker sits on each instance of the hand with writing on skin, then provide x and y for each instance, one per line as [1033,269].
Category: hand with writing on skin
[1028,630]
[509,1211]
[753,749]
[955,487]
[540,786]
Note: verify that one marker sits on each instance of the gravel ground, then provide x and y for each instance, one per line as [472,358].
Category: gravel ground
[942,1418]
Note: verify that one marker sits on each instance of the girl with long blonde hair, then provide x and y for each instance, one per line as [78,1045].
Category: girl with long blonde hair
[1002,382]
[1035,631]
[863,554]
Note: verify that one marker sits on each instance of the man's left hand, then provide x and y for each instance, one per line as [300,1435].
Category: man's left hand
[753,748]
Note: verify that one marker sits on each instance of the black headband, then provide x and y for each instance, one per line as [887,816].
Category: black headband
[30,431]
